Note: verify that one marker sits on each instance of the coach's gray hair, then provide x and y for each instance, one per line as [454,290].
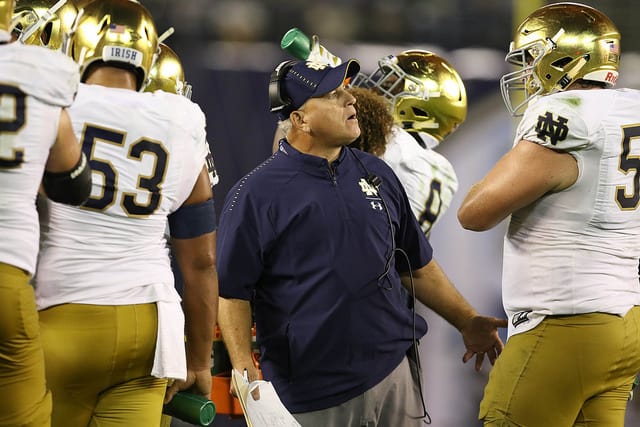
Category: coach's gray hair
[284,126]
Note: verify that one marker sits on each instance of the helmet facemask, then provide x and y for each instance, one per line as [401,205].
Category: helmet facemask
[525,81]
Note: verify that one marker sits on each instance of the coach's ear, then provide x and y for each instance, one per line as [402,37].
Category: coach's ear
[299,121]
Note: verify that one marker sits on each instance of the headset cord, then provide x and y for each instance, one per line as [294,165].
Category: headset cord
[375,182]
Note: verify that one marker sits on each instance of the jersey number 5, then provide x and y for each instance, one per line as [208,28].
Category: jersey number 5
[151,183]
[628,162]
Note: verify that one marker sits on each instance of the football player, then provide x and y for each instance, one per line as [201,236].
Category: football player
[37,145]
[112,325]
[569,187]
[428,101]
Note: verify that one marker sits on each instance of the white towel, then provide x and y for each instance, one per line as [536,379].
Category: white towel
[170,360]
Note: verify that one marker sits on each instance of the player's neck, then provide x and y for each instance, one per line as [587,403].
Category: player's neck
[112,77]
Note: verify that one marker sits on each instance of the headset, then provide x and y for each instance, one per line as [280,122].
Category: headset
[279,101]
[375,181]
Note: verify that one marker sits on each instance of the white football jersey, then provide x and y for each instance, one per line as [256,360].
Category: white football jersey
[146,151]
[577,251]
[35,83]
[427,176]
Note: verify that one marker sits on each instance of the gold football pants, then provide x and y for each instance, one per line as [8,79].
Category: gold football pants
[568,371]
[98,364]
[24,399]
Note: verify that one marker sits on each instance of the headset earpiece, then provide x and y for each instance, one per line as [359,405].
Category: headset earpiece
[279,102]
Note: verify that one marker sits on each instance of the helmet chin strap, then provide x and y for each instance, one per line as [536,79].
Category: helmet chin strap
[67,37]
[567,79]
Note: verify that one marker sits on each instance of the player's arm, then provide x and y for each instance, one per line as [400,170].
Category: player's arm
[480,333]
[522,176]
[67,175]
[193,239]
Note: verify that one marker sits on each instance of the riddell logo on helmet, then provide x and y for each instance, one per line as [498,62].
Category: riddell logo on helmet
[611,77]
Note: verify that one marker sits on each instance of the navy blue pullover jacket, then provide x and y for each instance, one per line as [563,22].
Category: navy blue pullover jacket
[306,242]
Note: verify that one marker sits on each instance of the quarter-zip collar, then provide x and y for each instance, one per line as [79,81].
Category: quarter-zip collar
[313,165]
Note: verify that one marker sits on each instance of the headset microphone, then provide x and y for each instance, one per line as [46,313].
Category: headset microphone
[374,180]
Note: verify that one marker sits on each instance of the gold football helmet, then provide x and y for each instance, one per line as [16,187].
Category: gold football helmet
[425,91]
[6,12]
[116,32]
[167,74]
[43,22]
[557,45]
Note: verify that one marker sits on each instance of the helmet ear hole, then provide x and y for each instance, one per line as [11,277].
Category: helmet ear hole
[45,35]
[418,112]
[560,63]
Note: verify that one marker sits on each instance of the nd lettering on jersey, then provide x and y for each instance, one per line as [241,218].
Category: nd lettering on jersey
[554,130]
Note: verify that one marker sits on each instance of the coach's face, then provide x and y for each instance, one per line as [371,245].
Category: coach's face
[331,118]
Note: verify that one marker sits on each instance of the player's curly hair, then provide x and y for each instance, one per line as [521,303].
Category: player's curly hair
[375,120]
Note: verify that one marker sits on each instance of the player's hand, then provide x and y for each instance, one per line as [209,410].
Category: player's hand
[198,382]
[481,339]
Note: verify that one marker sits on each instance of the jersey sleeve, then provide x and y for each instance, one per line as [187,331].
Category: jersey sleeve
[556,122]
[192,122]
[53,77]
[189,133]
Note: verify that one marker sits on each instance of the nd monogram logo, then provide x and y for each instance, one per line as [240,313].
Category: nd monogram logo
[552,129]
[367,188]
[315,65]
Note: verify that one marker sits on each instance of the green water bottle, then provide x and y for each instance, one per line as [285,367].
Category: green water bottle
[191,408]
[296,43]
